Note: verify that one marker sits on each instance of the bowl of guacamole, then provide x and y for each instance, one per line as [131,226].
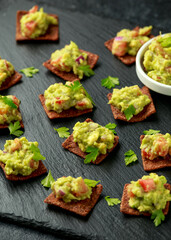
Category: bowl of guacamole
[153,64]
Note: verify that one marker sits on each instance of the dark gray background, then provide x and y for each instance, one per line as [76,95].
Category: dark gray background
[23,214]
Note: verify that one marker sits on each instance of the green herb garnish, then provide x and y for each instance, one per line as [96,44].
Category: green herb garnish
[150,132]
[111,126]
[13,128]
[165,42]
[29,71]
[158,217]
[63,132]
[91,183]
[110,82]
[112,201]
[36,153]
[8,101]
[129,112]
[130,157]
[48,180]
[93,153]
[86,70]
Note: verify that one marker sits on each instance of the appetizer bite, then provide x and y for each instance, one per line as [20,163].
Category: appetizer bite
[149,196]
[76,195]
[156,151]
[71,63]
[20,159]
[127,43]
[8,75]
[131,104]
[36,25]
[92,138]
[66,100]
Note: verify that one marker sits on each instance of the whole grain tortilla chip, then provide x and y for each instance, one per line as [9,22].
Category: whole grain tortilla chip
[39,171]
[72,112]
[10,81]
[73,147]
[146,112]
[126,209]
[157,163]
[52,33]
[82,207]
[70,76]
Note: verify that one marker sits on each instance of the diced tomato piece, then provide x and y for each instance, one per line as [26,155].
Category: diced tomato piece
[6,64]
[3,111]
[119,48]
[31,26]
[33,9]
[162,146]
[81,104]
[148,155]
[131,194]
[59,101]
[147,184]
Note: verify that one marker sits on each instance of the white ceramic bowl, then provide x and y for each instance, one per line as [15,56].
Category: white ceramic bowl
[144,78]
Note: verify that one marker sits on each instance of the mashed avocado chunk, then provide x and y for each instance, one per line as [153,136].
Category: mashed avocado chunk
[9,112]
[129,41]
[69,188]
[148,194]
[69,58]
[92,134]
[36,23]
[18,157]
[156,145]
[157,59]
[6,70]
[124,97]
[59,97]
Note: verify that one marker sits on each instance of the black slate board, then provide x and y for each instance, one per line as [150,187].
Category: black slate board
[23,202]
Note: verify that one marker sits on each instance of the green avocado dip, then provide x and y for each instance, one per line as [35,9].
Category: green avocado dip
[124,97]
[36,23]
[6,70]
[157,145]
[69,58]
[9,109]
[129,41]
[18,156]
[69,189]
[157,59]
[149,194]
[92,134]
[59,97]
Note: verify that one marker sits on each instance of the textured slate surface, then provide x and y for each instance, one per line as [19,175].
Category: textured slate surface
[22,203]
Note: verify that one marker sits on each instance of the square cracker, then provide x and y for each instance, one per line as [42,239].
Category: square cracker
[82,207]
[74,148]
[146,112]
[126,209]
[157,163]
[52,33]
[70,76]
[72,112]
[39,171]
[10,81]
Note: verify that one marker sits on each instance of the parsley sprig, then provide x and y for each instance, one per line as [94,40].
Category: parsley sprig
[48,180]
[29,71]
[93,153]
[158,217]
[111,126]
[8,101]
[91,183]
[129,112]
[130,157]
[86,70]
[150,132]
[112,201]
[36,153]
[63,132]
[110,82]
[14,129]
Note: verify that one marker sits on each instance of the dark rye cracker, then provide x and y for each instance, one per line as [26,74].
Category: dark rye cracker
[157,163]
[70,76]
[126,209]
[146,112]
[52,33]
[72,112]
[10,81]
[73,147]
[82,207]
[39,171]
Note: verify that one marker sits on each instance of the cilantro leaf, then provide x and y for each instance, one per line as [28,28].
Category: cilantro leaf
[129,112]
[91,183]
[130,157]
[48,180]
[86,70]
[150,132]
[62,132]
[29,71]
[110,82]
[13,128]
[158,217]
[8,101]
[112,201]
[93,153]
[111,126]
[36,153]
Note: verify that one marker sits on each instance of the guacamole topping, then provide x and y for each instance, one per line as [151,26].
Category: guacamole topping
[18,157]
[36,23]
[87,134]
[59,97]
[129,41]
[9,112]
[6,70]
[69,58]
[148,194]
[157,59]
[157,145]
[124,97]
[69,189]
